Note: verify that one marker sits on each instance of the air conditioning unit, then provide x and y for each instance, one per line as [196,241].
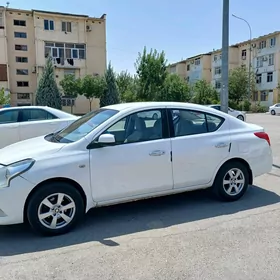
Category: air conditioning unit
[264,58]
[33,70]
[244,57]
[88,28]
[254,45]
[192,62]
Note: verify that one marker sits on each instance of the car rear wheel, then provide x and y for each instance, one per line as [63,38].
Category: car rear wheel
[232,181]
[55,208]
[240,117]
[272,112]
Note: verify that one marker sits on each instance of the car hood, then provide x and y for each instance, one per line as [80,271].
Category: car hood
[30,148]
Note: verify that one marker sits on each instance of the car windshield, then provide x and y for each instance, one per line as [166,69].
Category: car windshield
[83,126]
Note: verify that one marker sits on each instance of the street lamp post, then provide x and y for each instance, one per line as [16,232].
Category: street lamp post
[250,53]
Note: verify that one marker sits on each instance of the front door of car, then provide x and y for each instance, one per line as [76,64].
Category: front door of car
[200,144]
[9,127]
[37,122]
[137,164]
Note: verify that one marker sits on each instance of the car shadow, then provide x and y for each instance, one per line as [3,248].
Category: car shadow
[103,224]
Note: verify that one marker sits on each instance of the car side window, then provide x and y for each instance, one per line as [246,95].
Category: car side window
[138,127]
[10,116]
[29,115]
[190,122]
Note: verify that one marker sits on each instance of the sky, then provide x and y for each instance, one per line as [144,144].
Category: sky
[180,28]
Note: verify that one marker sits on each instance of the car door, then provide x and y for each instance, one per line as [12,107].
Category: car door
[200,143]
[37,122]
[9,127]
[138,164]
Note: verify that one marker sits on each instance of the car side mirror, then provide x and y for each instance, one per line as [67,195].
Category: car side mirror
[106,139]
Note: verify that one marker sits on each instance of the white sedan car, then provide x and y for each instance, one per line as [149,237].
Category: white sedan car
[235,113]
[20,123]
[113,155]
[274,109]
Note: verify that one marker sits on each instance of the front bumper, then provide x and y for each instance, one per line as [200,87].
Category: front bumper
[12,201]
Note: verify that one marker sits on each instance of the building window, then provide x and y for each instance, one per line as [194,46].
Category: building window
[48,24]
[218,70]
[22,71]
[272,41]
[23,95]
[19,22]
[218,84]
[65,50]
[66,26]
[69,72]
[1,20]
[262,44]
[20,34]
[188,67]
[21,47]
[197,61]
[243,54]
[23,84]
[259,78]
[255,96]
[21,59]
[264,96]
[68,101]
[215,58]
[271,59]
[260,61]
[269,77]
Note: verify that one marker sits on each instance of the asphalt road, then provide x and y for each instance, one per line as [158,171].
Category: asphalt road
[187,236]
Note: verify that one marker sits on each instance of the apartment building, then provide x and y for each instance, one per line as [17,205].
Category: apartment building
[265,61]
[216,65]
[76,44]
[265,66]
[194,68]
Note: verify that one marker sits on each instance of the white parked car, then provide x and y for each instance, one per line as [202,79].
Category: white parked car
[235,113]
[274,109]
[113,155]
[20,123]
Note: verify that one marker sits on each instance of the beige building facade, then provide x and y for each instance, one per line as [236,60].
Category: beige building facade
[76,44]
[265,66]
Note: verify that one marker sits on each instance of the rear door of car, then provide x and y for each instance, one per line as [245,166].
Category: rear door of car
[200,143]
[9,127]
[36,122]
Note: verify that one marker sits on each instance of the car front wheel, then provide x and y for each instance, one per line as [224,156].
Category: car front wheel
[272,112]
[55,208]
[232,181]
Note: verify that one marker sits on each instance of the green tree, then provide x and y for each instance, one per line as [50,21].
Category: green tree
[4,99]
[152,71]
[111,94]
[127,85]
[204,93]
[91,87]
[174,89]
[48,93]
[239,83]
[70,87]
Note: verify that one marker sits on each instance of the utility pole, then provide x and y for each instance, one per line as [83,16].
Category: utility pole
[250,54]
[225,46]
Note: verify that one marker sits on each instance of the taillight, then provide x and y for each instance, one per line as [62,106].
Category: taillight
[264,136]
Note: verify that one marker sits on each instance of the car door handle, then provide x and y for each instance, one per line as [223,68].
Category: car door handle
[157,153]
[221,145]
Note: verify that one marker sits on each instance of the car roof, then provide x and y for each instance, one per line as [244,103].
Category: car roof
[58,113]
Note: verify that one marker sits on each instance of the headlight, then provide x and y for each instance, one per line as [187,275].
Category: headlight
[8,172]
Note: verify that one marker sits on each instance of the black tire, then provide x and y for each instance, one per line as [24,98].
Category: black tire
[45,191]
[218,186]
[240,117]
[273,112]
